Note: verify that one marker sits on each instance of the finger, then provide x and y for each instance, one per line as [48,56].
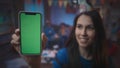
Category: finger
[42,35]
[15,42]
[17,31]
[44,40]
[15,37]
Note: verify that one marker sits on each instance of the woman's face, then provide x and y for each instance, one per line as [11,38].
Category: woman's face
[84,31]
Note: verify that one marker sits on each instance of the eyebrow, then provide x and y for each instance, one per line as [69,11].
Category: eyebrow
[80,24]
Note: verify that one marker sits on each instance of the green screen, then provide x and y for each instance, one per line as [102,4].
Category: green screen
[30,27]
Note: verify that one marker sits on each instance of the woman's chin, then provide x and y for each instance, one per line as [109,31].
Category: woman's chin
[83,45]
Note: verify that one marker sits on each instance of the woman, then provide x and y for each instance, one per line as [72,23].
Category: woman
[86,45]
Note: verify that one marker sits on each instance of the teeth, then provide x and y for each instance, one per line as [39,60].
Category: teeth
[84,39]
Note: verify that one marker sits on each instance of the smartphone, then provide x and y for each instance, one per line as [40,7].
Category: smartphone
[30,33]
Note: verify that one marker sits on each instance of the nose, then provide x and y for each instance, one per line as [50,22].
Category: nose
[83,32]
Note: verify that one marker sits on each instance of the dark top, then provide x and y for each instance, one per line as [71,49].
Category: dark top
[62,58]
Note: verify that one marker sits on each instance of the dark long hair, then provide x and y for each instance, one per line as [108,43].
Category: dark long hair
[99,50]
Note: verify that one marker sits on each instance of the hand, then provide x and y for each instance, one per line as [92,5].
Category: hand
[16,40]
[33,60]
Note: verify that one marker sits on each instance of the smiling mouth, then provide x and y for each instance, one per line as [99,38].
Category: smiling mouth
[83,40]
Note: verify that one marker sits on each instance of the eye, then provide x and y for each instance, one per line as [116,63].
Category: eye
[90,27]
[79,26]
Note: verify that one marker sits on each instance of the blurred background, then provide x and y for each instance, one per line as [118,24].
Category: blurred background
[57,21]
